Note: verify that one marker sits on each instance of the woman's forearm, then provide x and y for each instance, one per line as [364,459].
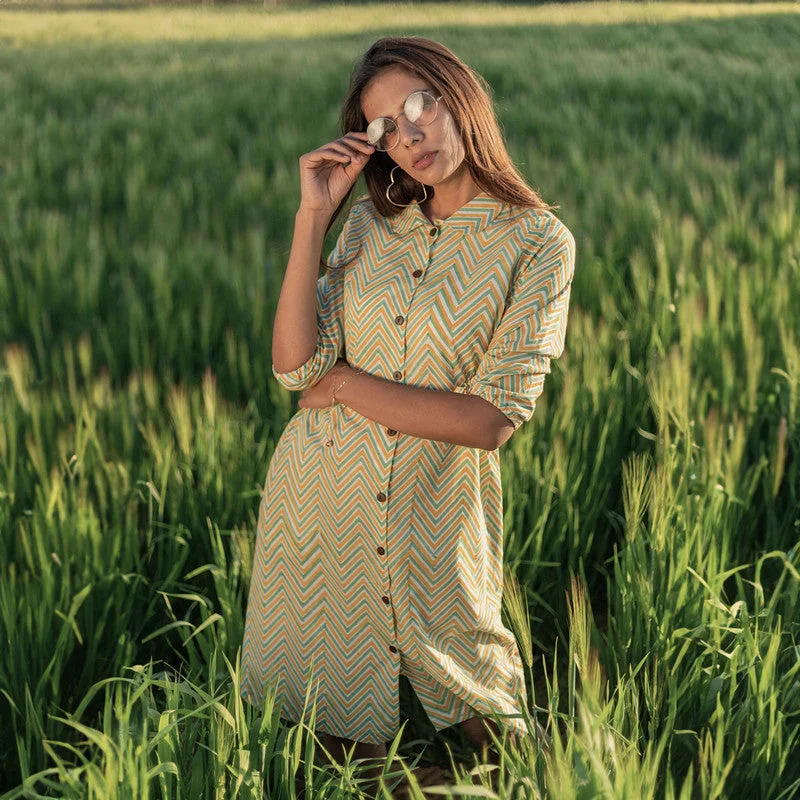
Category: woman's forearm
[461,419]
[294,332]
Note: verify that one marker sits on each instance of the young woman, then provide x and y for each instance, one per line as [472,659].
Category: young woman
[419,352]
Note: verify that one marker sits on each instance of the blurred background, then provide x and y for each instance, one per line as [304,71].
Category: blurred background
[148,186]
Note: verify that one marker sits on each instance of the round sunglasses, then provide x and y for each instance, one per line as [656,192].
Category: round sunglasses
[420,108]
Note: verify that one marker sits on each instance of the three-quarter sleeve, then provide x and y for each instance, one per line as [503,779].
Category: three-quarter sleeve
[511,373]
[330,312]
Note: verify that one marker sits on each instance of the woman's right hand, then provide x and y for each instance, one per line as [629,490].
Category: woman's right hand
[328,173]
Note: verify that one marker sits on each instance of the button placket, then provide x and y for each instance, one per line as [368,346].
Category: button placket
[399,320]
[382,497]
[398,376]
[433,233]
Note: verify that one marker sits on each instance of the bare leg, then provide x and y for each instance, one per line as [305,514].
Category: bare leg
[477,731]
[338,747]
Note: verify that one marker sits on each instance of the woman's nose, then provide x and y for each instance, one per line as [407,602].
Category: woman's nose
[408,131]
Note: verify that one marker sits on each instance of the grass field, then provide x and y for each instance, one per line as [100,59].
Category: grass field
[148,185]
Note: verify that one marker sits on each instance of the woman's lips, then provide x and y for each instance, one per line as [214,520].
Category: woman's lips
[426,161]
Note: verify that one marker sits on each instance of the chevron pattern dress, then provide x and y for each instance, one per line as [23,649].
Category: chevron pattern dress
[382,554]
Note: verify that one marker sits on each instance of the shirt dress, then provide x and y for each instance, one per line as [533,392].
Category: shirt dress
[382,554]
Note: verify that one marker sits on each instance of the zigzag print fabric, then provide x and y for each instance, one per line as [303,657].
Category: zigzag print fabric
[383,553]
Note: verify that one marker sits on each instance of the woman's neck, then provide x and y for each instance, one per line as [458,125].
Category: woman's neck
[448,200]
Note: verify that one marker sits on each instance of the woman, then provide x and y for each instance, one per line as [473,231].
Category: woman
[419,352]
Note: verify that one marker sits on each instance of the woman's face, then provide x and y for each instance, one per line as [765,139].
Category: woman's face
[384,96]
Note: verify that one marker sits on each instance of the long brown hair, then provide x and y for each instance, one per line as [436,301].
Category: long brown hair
[469,99]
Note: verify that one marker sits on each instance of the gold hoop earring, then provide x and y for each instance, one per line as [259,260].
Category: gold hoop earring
[403,205]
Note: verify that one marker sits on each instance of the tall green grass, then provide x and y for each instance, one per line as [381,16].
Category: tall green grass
[147,192]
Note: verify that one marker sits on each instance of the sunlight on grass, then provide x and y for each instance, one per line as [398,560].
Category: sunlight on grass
[44,26]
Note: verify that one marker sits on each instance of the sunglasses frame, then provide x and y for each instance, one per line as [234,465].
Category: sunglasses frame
[402,113]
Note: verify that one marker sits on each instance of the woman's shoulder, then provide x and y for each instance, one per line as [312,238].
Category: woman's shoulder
[363,214]
[535,227]
[537,222]
[362,206]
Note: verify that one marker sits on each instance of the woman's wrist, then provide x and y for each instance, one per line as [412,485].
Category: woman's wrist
[339,374]
[344,377]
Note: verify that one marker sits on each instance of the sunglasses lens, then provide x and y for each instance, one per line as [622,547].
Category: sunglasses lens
[382,133]
[421,108]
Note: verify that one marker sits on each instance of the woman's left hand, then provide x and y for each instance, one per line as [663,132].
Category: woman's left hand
[319,395]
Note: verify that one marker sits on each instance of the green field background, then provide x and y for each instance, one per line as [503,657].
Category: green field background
[148,186]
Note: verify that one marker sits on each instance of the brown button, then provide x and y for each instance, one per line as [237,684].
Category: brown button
[397,374]
[392,648]
[391,431]
[385,599]
[381,550]
[399,319]
[434,231]
[381,496]
[416,273]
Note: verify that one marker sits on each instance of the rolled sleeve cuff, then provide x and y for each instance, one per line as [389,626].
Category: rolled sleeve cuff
[517,401]
[501,399]
[306,374]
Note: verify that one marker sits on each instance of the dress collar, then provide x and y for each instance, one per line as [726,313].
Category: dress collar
[474,215]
